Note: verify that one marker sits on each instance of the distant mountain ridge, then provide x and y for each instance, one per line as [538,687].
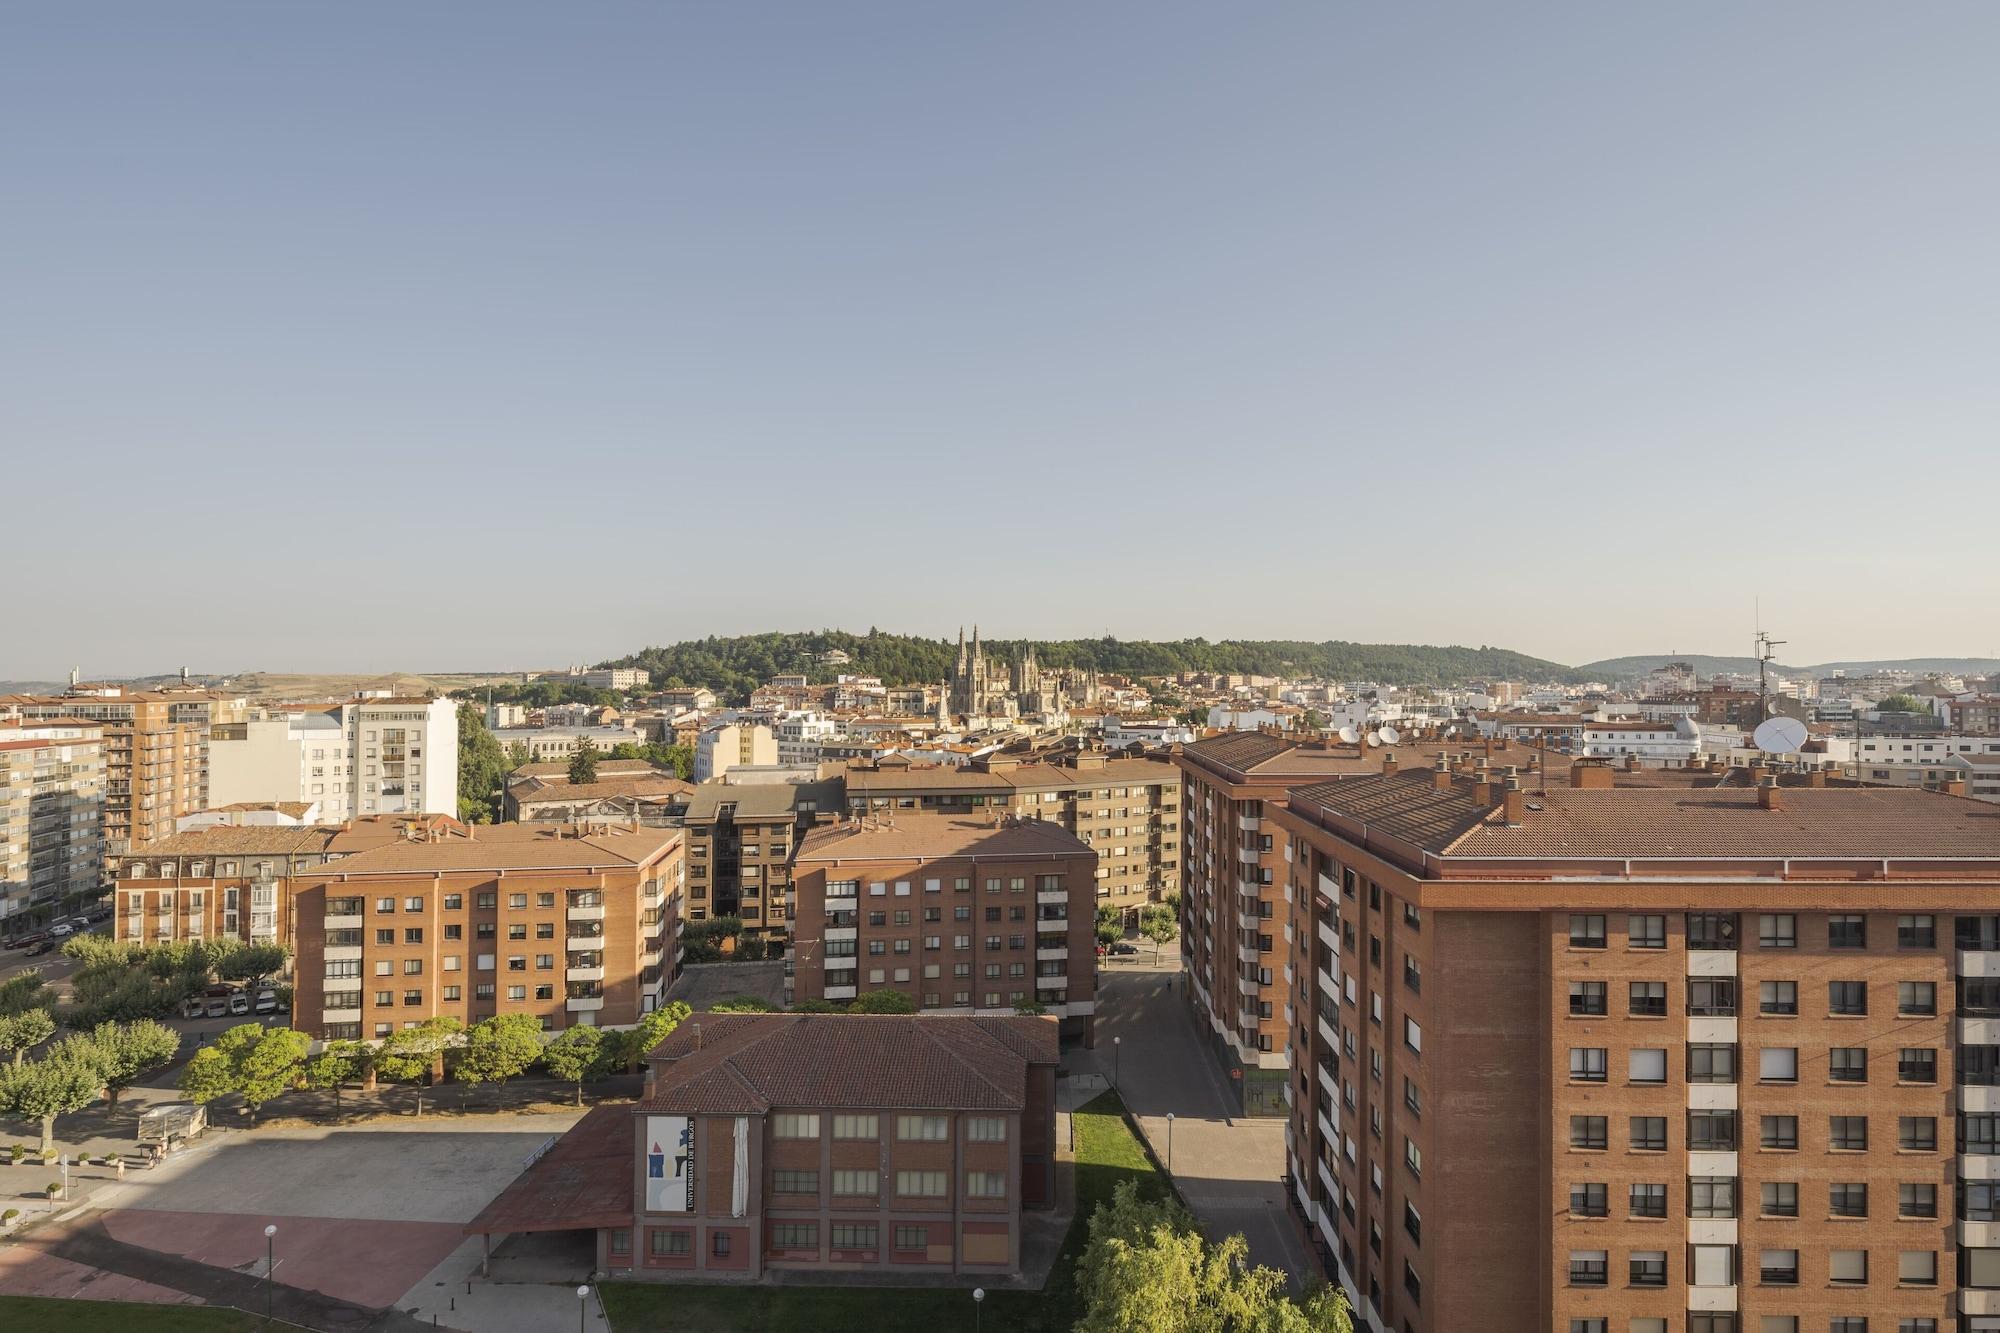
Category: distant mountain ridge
[1620,668]
[734,666]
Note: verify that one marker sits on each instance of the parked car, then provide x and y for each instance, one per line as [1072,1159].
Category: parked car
[37,950]
[61,929]
[267,1002]
[100,914]
[239,1003]
[192,1006]
[1123,947]
[216,1006]
[28,941]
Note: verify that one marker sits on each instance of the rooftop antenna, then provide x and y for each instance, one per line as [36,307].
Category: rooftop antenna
[1765,645]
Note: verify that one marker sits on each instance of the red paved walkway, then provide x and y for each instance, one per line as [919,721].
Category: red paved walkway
[368,1263]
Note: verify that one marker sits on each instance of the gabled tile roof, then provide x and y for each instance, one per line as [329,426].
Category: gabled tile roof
[729,1064]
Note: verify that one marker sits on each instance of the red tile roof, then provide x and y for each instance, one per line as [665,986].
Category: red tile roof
[733,1064]
[585,1180]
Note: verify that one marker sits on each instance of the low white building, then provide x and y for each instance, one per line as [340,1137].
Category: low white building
[547,743]
[1649,742]
[621,679]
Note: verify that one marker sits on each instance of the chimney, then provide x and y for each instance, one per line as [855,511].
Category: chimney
[1513,801]
[1389,764]
[1954,787]
[1586,776]
[1482,791]
[1816,778]
[1631,763]
[472,832]
[1768,795]
[1441,779]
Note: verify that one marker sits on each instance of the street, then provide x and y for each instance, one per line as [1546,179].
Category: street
[1228,1167]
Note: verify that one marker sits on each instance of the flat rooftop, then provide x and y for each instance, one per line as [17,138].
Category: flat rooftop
[910,835]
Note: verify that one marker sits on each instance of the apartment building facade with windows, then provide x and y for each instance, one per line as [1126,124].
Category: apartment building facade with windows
[982,916]
[575,926]
[1647,1058]
[811,1143]
[51,812]
[1128,809]
[155,755]
[740,839]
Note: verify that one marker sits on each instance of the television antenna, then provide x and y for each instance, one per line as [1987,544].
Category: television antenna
[1765,646]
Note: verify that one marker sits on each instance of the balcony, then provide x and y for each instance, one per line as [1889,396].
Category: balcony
[343,953]
[587,913]
[1329,936]
[588,943]
[1045,954]
[1979,963]
[1247,986]
[1249,856]
[1978,1235]
[1059,924]
[340,1015]
[1711,963]
[345,921]
[1246,823]
[585,1004]
[1052,983]
[1328,1037]
[1327,1129]
[1051,897]
[850,932]
[840,992]
[1249,923]
[592,973]
[1249,888]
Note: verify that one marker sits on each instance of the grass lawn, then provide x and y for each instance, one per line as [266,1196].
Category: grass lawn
[1107,1152]
[42,1314]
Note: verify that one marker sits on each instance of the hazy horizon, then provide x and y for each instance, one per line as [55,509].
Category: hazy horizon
[364,336]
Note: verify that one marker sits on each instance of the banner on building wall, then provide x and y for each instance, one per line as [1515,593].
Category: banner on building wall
[739,1182]
[669,1164]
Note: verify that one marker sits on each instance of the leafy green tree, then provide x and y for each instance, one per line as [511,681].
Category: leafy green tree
[1110,925]
[408,1054]
[498,1048]
[482,768]
[652,1029]
[253,962]
[1030,1008]
[22,1032]
[742,1004]
[583,764]
[25,991]
[1147,1269]
[254,1062]
[1159,925]
[576,1054]
[883,1001]
[818,1007]
[128,1050]
[1902,703]
[518,755]
[338,1063]
[65,1080]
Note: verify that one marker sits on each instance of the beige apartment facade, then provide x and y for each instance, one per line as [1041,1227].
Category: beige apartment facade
[155,755]
[51,816]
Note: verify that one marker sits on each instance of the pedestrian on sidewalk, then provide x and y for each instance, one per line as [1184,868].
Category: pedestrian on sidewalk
[121,1166]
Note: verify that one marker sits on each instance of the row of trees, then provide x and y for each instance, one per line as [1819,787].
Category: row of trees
[1148,1269]
[124,980]
[259,1064]
[77,1070]
[676,760]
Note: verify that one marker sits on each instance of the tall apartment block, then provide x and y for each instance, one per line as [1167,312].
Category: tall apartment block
[576,927]
[1630,1059]
[372,756]
[740,840]
[51,812]
[155,754]
[980,916]
[1127,809]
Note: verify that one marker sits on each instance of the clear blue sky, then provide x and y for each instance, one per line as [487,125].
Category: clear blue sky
[437,336]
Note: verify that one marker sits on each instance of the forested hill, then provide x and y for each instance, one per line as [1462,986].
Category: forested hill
[732,667]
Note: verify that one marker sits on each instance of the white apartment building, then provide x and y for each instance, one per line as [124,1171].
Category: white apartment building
[733,745]
[52,776]
[617,678]
[1650,742]
[800,735]
[545,744]
[373,756]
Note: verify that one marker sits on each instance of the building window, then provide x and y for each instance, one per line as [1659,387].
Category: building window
[986,1129]
[923,1128]
[920,1184]
[985,1185]
[1586,999]
[1588,1268]
[1712,1196]
[1917,1199]
[1711,1131]
[1648,1268]
[1587,1064]
[1778,1064]
[854,1184]
[791,1125]
[1712,997]
[1586,931]
[1847,1064]
[1589,1199]
[1847,932]
[669,1244]
[1916,932]
[1646,932]
[1646,999]
[1711,930]
[1645,1065]
[718,1244]
[621,1241]
[1778,1198]
[855,1236]
[1587,1131]
[1778,1268]
[794,1182]
[1916,998]
[857,1127]
[1779,1131]
[1847,1268]
[1780,931]
[1847,997]
[912,1238]
[1778,998]
[1916,1133]
[1649,1133]
[1847,1199]
[1647,1200]
[1847,1133]
[795,1235]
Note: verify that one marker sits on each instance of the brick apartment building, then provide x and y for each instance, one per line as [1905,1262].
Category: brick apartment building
[51,815]
[810,1143]
[575,925]
[155,755]
[1128,809]
[1636,1058]
[974,915]
[740,839]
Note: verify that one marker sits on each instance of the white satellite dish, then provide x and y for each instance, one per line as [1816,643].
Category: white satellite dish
[1374,739]
[1780,735]
[1348,735]
[1389,735]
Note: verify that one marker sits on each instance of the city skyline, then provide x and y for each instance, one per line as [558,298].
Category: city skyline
[1573,331]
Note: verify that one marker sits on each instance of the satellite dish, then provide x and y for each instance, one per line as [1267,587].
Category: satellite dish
[1389,735]
[1348,735]
[1780,735]
[1374,739]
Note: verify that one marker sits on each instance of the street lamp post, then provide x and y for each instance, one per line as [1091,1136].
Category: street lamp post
[978,1300]
[582,1307]
[64,1162]
[1170,1143]
[1114,1060]
[270,1266]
